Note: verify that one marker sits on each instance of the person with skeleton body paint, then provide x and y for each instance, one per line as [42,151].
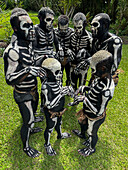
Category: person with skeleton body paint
[54,100]
[64,33]
[46,39]
[104,40]
[95,99]
[45,35]
[79,51]
[21,73]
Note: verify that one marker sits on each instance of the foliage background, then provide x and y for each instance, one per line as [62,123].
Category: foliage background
[117,9]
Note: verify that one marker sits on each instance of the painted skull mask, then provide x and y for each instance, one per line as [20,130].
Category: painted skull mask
[26,30]
[78,27]
[53,66]
[63,29]
[100,25]
[48,20]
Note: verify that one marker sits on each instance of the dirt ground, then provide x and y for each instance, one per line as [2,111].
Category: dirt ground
[124,39]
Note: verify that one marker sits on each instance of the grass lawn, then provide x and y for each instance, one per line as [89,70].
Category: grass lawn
[111,149]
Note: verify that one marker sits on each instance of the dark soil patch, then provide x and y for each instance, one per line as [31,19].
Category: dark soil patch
[124,39]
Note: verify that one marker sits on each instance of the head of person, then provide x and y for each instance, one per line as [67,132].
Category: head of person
[63,24]
[46,17]
[53,69]
[79,21]
[22,24]
[101,63]
[100,25]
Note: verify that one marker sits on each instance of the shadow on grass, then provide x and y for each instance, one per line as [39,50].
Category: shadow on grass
[17,159]
[69,118]
[101,159]
[67,155]
[52,162]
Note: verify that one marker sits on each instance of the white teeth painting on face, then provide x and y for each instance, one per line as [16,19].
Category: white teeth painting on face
[49,20]
[26,25]
[31,35]
[78,26]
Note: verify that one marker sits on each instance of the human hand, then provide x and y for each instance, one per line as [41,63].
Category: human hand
[65,90]
[42,73]
[80,90]
[76,70]
[34,70]
[71,54]
[79,98]
[37,71]
[71,91]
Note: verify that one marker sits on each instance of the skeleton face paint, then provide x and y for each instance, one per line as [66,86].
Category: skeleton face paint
[56,70]
[78,27]
[58,75]
[54,66]
[96,27]
[63,29]
[26,28]
[49,21]
[100,25]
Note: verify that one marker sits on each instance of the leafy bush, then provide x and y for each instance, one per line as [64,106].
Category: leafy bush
[6,30]
[120,27]
[10,4]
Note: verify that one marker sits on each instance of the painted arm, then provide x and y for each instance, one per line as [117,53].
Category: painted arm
[117,52]
[13,73]
[50,100]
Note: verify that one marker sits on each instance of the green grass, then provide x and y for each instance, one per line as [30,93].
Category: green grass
[5,27]
[111,149]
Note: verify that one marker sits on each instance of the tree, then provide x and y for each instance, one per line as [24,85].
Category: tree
[122,17]
[67,7]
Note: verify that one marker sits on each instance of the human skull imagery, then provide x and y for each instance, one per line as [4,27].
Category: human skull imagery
[26,28]
[49,21]
[96,26]
[100,25]
[54,66]
[79,21]
[78,27]
[63,28]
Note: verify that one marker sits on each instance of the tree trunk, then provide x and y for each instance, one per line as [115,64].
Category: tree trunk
[114,10]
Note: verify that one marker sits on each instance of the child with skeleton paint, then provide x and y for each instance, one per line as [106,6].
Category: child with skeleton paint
[95,99]
[46,40]
[54,100]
